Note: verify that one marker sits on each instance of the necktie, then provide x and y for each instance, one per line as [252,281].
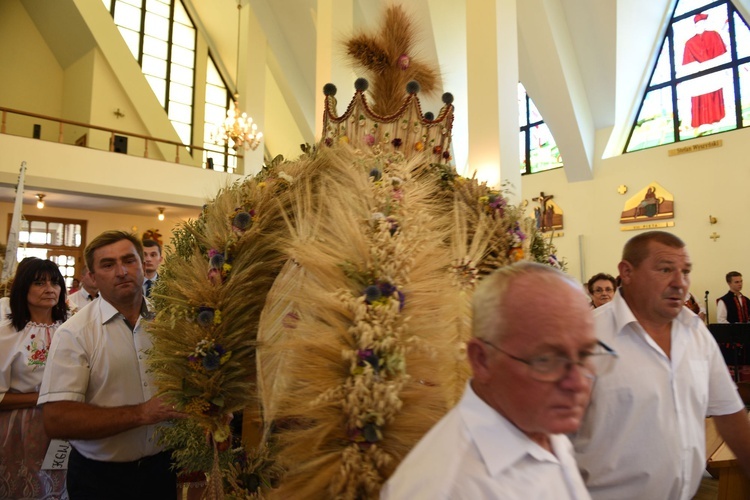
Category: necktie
[148,288]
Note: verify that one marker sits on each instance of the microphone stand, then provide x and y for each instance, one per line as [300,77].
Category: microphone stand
[705,301]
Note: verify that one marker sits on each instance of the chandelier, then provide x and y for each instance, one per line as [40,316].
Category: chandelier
[237,129]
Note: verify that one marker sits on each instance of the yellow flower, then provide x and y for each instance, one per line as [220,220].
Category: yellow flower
[343,140]
[261,185]
[419,146]
[217,317]
[221,434]
[225,357]
[197,406]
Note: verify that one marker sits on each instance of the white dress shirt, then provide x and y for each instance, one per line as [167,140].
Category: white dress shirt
[643,436]
[474,453]
[95,358]
[81,298]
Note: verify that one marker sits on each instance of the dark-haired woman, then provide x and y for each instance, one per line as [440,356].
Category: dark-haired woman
[37,304]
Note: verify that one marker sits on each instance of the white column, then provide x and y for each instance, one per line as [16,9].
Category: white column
[334,21]
[252,81]
[492,64]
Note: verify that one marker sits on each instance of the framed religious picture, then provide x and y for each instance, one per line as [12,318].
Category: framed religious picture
[652,203]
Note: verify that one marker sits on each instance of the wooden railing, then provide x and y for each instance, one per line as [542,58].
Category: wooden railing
[178,146]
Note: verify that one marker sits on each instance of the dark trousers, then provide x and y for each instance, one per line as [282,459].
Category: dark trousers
[148,478]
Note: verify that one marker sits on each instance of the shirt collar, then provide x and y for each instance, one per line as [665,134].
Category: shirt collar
[109,312]
[500,443]
[624,316]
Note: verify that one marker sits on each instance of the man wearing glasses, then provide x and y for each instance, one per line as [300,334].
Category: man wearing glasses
[644,434]
[534,358]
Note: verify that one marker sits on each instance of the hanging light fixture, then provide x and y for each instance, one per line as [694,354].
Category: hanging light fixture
[238,128]
[40,200]
[161,213]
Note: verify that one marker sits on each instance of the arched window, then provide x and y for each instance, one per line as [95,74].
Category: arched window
[538,149]
[161,36]
[218,103]
[700,84]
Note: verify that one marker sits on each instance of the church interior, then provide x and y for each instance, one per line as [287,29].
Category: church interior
[585,63]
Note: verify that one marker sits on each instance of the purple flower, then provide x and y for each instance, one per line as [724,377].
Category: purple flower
[396,142]
[368,356]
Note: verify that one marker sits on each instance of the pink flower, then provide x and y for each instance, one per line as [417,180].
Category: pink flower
[404,62]
[369,139]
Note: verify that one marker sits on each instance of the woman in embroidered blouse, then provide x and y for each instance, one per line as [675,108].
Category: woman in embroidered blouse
[37,304]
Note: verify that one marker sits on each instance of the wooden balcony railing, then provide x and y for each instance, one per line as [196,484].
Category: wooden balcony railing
[230,157]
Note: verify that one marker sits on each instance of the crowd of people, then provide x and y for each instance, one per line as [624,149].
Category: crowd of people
[563,402]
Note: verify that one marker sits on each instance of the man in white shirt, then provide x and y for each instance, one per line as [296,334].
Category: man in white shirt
[86,293]
[151,261]
[97,390]
[644,434]
[533,358]
[733,307]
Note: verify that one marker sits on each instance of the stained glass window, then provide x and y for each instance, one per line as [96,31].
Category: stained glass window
[537,146]
[699,85]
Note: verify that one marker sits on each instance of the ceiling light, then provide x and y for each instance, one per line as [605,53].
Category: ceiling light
[237,129]
[161,213]
[40,200]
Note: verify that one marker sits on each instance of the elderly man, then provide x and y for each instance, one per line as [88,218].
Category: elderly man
[97,390]
[644,433]
[533,358]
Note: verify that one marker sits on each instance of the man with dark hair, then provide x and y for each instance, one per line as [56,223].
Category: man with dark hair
[87,291]
[733,307]
[533,358]
[602,288]
[644,433]
[151,260]
[97,390]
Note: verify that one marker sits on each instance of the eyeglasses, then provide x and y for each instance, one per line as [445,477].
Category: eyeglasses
[553,368]
[600,290]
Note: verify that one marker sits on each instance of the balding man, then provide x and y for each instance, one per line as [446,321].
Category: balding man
[644,434]
[534,357]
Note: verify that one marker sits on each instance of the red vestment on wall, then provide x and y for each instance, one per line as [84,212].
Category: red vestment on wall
[709,107]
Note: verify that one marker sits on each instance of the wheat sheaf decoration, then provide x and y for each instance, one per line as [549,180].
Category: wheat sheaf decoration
[326,300]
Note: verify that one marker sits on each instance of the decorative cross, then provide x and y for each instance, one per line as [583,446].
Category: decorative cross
[390,61]
[714,236]
[542,218]
[622,189]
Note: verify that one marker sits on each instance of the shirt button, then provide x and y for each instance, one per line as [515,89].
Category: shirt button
[140,356]
[145,384]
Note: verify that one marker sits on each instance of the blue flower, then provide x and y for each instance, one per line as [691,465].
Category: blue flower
[211,361]
[205,316]
[372,293]
[217,261]
[242,220]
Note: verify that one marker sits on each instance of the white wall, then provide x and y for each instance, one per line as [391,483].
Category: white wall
[711,182]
